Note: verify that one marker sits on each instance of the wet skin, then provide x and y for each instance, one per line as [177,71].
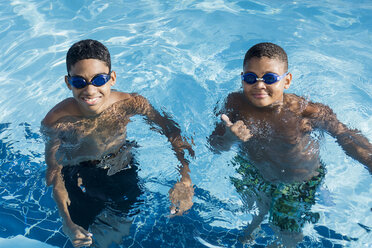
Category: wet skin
[274,128]
[94,122]
[92,100]
[260,94]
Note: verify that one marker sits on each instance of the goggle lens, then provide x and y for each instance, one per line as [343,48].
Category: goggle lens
[249,78]
[77,82]
[80,82]
[268,78]
[100,79]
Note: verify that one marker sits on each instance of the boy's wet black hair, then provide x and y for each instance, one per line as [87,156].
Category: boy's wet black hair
[87,49]
[266,49]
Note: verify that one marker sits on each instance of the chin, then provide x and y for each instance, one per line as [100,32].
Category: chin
[260,104]
[93,110]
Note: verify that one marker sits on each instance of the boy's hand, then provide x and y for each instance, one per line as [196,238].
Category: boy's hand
[181,197]
[239,129]
[78,236]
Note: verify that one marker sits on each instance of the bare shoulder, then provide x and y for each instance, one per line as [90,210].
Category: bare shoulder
[295,103]
[131,103]
[318,110]
[67,107]
[117,96]
[127,97]
[303,106]
[234,100]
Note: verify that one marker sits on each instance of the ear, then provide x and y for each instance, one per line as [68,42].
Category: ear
[67,83]
[288,80]
[242,80]
[113,78]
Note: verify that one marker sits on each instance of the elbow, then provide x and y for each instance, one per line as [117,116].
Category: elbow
[48,180]
[50,177]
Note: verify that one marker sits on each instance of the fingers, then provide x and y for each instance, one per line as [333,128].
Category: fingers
[175,211]
[191,152]
[86,233]
[181,198]
[81,237]
[82,242]
[175,207]
[226,119]
[239,129]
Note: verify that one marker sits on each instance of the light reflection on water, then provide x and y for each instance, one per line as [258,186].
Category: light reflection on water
[184,57]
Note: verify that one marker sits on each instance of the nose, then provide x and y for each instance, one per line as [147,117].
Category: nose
[90,89]
[260,84]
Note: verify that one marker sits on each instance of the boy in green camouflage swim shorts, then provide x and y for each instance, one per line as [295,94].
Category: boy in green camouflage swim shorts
[290,204]
[274,130]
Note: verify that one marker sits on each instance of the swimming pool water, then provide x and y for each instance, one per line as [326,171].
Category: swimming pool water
[185,57]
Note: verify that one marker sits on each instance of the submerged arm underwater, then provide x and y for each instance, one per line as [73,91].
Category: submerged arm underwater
[182,192]
[353,142]
[77,234]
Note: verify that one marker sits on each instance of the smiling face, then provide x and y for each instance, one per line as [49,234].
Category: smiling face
[259,93]
[91,100]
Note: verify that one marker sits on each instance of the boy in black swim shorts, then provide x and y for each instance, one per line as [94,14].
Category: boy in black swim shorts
[86,151]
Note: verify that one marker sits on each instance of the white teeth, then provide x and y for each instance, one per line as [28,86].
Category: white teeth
[90,100]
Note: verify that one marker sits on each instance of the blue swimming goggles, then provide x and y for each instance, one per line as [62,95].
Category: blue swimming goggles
[268,78]
[80,82]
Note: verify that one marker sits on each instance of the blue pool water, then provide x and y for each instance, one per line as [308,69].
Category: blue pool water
[185,57]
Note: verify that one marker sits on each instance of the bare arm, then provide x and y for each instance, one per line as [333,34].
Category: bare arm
[352,141]
[163,124]
[181,194]
[78,235]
